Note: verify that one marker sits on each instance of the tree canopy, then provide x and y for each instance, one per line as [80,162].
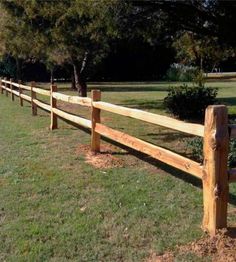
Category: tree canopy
[79,34]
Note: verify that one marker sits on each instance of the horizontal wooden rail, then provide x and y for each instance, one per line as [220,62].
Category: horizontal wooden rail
[8,89]
[75,119]
[84,101]
[26,97]
[156,152]
[25,87]
[189,128]
[6,81]
[17,85]
[232,175]
[42,105]
[15,92]
[41,91]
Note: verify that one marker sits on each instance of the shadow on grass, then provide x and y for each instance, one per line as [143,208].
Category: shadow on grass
[156,163]
[169,136]
[168,169]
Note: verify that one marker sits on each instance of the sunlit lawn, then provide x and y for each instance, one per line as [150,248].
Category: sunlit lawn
[56,207]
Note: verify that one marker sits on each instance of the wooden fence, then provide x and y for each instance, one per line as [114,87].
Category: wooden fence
[216,133]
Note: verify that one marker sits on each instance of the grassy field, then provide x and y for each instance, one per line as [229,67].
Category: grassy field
[56,207]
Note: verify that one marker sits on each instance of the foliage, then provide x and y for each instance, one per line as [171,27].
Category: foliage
[187,102]
[180,72]
[196,146]
[7,66]
[203,52]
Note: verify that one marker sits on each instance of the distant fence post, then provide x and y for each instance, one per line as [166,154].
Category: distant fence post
[53,102]
[5,84]
[12,95]
[95,117]
[215,178]
[1,89]
[20,92]
[33,96]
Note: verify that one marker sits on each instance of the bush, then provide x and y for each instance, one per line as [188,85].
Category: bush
[178,72]
[196,146]
[189,102]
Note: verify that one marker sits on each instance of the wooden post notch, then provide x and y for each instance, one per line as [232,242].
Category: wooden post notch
[11,87]
[53,103]
[20,92]
[33,96]
[215,178]
[95,117]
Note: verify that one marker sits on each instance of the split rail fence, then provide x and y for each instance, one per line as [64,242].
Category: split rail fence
[216,133]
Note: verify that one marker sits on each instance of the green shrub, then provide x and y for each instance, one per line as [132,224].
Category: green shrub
[178,72]
[196,147]
[189,102]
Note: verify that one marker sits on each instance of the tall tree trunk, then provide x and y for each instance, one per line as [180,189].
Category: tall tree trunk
[80,84]
[73,87]
[18,69]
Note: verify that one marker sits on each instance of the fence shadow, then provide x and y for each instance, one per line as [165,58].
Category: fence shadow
[168,169]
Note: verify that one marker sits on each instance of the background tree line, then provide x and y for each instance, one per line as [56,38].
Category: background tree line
[113,39]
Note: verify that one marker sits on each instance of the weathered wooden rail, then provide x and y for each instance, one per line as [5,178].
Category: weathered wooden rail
[216,133]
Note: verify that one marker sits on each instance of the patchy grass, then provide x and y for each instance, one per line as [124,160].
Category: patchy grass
[56,207]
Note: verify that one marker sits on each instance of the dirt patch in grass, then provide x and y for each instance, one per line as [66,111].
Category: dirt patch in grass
[104,159]
[220,248]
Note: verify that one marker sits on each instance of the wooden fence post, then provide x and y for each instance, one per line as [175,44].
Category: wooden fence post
[53,102]
[20,92]
[33,96]
[12,95]
[5,84]
[1,89]
[215,178]
[95,117]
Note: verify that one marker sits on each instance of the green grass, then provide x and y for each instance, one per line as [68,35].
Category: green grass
[56,207]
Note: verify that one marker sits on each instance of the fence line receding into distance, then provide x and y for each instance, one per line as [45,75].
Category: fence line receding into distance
[216,133]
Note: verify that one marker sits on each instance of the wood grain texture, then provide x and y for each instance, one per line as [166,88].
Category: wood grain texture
[189,128]
[84,101]
[41,91]
[42,105]
[33,96]
[53,103]
[95,117]
[156,152]
[11,87]
[5,84]
[72,118]
[25,97]
[20,93]
[215,177]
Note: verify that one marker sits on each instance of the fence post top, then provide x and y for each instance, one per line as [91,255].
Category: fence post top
[53,88]
[96,95]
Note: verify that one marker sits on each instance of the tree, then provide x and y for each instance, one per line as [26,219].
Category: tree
[204,52]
